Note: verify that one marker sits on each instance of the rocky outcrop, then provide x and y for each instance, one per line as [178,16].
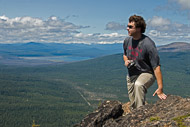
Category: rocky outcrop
[172,112]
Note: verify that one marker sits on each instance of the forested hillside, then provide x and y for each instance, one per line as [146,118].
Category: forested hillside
[61,95]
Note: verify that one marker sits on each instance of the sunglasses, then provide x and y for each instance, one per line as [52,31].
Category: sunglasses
[130,26]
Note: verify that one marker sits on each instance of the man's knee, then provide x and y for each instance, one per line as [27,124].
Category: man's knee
[140,86]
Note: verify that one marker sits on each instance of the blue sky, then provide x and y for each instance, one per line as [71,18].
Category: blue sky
[91,21]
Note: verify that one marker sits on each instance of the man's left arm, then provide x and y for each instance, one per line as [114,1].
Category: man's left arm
[159,91]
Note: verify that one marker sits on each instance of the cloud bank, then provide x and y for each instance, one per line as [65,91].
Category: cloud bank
[165,30]
[54,29]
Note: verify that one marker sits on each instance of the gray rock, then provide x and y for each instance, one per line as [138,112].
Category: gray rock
[107,111]
[172,112]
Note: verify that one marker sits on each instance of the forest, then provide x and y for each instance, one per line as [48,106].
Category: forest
[61,95]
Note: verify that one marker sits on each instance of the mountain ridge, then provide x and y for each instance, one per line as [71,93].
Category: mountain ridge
[175,47]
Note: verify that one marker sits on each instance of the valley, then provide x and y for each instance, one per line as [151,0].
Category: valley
[62,94]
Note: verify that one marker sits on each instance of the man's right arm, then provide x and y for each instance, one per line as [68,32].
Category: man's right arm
[126,60]
[159,91]
[125,44]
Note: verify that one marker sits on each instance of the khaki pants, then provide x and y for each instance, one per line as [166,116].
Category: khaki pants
[137,88]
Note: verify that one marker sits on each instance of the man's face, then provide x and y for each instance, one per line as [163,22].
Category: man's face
[132,30]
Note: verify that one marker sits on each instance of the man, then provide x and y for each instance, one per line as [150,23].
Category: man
[143,63]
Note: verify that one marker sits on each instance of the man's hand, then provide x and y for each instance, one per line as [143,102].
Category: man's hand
[160,94]
[127,62]
[159,91]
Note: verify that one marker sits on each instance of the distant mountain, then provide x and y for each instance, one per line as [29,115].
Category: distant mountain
[175,47]
[58,49]
[40,53]
[34,45]
[83,50]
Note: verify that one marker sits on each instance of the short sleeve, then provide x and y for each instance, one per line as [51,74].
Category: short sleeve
[153,55]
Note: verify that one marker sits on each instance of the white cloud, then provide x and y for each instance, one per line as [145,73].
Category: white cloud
[158,21]
[99,38]
[185,4]
[181,4]
[54,29]
[25,29]
[164,30]
[179,8]
[114,26]
[111,35]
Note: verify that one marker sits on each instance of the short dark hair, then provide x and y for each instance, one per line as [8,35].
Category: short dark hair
[139,22]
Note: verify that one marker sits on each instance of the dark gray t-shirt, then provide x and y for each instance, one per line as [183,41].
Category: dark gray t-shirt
[143,52]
